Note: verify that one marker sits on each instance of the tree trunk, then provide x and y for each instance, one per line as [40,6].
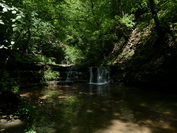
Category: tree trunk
[155,17]
[117,8]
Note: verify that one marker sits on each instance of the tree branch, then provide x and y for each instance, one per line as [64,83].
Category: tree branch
[92,8]
[155,17]
[74,20]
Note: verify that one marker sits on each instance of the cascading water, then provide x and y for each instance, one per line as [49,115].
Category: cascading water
[76,75]
[99,75]
[71,74]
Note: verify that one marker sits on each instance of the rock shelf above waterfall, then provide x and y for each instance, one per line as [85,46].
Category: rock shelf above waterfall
[90,75]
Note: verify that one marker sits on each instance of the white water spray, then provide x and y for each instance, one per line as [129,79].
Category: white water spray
[99,75]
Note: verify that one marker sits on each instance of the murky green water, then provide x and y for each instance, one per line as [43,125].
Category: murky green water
[84,108]
[114,108]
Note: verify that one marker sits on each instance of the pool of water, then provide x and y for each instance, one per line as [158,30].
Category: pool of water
[108,108]
[113,108]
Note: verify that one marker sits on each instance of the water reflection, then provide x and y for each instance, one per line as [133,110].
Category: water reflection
[109,108]
[100,90]
[148,111]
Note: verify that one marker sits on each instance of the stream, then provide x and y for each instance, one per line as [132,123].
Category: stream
[109,108]
[114,108]
[98,108]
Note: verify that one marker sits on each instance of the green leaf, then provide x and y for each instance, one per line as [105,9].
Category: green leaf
[4,9]
[1,22]
[2,46]
[15,28]
[14,12]
[12,42]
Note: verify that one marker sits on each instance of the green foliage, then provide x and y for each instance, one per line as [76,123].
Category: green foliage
[27,113]
[88,23]
[50,94]
[50,74]
[127,20]
[10,16]
[7,82]
[82,25]
[73,55]
[74,31]
[31,131]
[54,52]
[26,110]
[42,58]
[69,112]
[25,31]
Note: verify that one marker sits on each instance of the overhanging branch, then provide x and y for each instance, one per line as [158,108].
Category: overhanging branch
[77,20]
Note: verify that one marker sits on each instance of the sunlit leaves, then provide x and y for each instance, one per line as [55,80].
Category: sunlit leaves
[3,47]
[14,12]
[1,22]
[168,10]
[4,9]
[128,20]
[8,21]
[92,25]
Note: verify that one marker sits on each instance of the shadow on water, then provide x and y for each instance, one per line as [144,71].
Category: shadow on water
[112,108]
[109,108]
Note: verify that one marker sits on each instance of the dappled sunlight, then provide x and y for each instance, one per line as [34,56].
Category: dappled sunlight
[82,108]
[160,124]
[89,111]
[10,125]
[117,126]
[167,113]
[69,66]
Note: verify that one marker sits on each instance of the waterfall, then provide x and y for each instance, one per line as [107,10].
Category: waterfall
[99,75]
[71,74]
